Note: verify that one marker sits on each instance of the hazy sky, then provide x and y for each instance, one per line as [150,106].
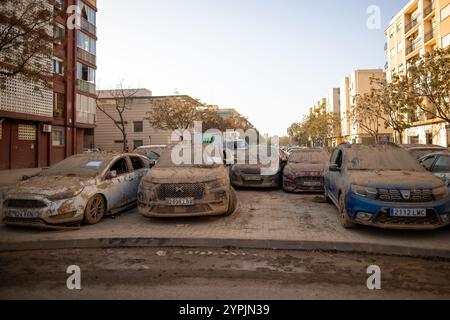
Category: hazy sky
[271,60]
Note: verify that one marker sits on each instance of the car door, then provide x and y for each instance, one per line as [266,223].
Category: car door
[441,167]
[333,176]
[115,182]
[139,168]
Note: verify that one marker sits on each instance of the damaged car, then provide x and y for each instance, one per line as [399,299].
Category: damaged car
[304,170]
[419,150]
[186,190]
[384,186]
[438,163]
[82,188]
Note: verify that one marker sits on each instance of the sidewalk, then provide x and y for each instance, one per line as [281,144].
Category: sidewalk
[11,177]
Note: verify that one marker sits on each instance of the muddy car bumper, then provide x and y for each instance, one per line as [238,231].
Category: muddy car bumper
[379,214]
[199,208]
[255,181]
[301,184]
[49,214]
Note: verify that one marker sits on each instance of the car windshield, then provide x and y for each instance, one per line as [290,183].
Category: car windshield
[78,166]
[166,161]
[309,156]
[381,158]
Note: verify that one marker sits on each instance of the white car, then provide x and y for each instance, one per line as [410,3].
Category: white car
[82,188]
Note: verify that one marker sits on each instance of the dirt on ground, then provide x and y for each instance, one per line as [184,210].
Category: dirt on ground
[144,273]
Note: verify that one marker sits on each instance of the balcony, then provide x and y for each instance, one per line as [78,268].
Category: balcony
[415,44]
[85,86]
[429,36]
[428,10]
[89,27]
[412,24]
[86,56]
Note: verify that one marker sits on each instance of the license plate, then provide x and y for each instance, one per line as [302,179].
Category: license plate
[312,183]
[408,212]
[180,201]
[252,178]
[19,214]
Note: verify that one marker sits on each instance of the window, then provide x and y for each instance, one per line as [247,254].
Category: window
[138,126]
[58,67]
[86,109]
[427,163]
[87,12]
[137,163]
[442,164]
[445,12]
[58,105]
[391,33]
[120,166]
[27,132]
[59,33]
[336,158]
[86,43]
[393,52]
[58,137]
[399,26]
[446,41]
[118,141]
[400,47]
[85,73]
[138,143]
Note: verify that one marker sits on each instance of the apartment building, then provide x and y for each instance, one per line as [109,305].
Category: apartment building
[139,131]
[421,26]
[357,84]
[42,127]
[333,105]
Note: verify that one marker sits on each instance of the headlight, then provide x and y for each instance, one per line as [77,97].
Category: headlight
[362,191]
[65,195]
[440,193]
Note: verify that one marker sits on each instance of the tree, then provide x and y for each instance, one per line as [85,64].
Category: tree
[367,114]
[25,40]
[174,113]
[429,84]
[122,100]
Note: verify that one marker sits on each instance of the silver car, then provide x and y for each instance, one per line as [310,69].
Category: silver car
[82,188]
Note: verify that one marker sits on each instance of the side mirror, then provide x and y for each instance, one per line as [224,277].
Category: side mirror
[334,168]
[111,174]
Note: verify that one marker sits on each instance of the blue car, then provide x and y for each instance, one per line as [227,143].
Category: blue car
[384,186]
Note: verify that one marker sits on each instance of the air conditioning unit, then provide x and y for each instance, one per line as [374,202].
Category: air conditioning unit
[47,128]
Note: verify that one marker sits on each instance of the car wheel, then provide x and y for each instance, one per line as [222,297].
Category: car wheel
[344,219]
[95,209]
[232,203]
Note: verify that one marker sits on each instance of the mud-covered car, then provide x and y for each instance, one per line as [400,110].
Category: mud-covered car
[384,186]
[419,150]
[152,152]
[181,190]
[304,170]
[438,164]
[258,175]
[82,188]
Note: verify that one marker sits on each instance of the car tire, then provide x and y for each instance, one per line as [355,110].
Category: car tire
[95,209]
[232,202]
[344,219]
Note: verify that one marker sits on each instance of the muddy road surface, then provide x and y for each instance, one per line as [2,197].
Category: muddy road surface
[152,273]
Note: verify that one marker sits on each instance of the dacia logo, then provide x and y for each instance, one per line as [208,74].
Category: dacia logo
[406,194]
[179,189]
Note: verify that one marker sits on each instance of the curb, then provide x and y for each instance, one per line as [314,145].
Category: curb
[129,242]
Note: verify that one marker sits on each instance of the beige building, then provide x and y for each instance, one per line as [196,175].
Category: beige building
[357,84]
[333,104]
[421,26]
[139,131]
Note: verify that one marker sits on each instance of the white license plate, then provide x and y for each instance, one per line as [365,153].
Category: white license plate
[408,212]
[252,178]
[20,214]
[312,183]
[180,201]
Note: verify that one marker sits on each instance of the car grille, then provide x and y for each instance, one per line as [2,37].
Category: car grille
[430,219]
[303,181]
[180,210]
[186,190]
[256,171]
[24,203]
[393,195]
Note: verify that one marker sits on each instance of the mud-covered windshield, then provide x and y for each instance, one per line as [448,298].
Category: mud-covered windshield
[381,158]
[309,156]
[188,160]
[78,166]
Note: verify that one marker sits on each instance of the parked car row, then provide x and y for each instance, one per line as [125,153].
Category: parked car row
[376,185]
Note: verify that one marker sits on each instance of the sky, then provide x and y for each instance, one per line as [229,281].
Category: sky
[269,59]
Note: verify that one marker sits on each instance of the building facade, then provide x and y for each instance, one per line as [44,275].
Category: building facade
[138,130]
[334,106]
[420,27]
[41,127]
[357,84]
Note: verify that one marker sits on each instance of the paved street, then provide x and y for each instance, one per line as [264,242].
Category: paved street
[176,273]
[266,219]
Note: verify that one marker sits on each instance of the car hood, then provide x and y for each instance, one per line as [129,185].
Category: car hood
[185,175]
[293,168]
[395,179]
[49,186]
